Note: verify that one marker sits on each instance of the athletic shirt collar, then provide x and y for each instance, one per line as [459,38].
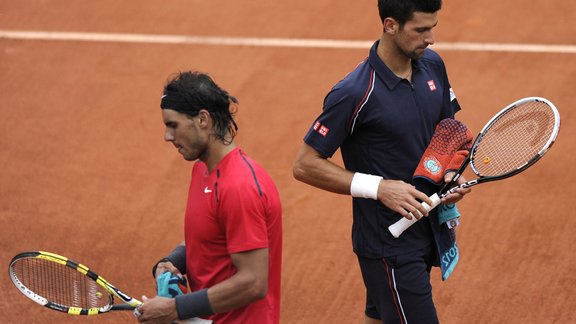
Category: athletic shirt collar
[222,163]
[384,73]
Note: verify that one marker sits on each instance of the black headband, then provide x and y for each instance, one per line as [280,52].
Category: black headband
[176,101]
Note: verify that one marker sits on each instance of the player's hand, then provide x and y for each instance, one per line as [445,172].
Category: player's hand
[167,266]
[403,198]
[157,310]
[459,194]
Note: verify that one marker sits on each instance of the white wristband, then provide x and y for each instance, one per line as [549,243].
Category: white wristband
[365,185]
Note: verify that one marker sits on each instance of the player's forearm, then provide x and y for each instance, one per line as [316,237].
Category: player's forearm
[328,178]
[315,170]
[238,291]
[248,284]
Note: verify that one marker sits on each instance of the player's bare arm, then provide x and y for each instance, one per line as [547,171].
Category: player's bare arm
[250,283]
[314,169]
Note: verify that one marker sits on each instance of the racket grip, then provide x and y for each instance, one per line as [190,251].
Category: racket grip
[403,224]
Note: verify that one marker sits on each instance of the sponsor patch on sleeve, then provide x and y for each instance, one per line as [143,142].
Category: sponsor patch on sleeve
[316,126]
[320,129]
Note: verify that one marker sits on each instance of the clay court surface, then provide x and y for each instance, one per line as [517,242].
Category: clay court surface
[84,170]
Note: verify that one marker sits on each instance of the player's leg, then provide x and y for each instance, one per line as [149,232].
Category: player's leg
[411,284]
[399,288]
[368,320]
[372,316]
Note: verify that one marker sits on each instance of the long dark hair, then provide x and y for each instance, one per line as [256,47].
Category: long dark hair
[190,91]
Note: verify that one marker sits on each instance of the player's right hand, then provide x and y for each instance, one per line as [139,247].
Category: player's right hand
[403,198]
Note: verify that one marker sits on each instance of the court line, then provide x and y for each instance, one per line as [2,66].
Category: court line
[270,42]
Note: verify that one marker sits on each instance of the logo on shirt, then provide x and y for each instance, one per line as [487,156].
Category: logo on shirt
[321,129]
[206,190]
[432,85]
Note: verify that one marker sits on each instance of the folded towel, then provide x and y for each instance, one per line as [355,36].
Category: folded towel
[448,148]
[170,285]
[448,214]
[447,248]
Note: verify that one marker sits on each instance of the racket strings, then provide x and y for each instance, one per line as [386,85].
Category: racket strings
[60,284]
[514,139]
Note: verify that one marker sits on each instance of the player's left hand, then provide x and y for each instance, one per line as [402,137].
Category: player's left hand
[459,194]
[166,266]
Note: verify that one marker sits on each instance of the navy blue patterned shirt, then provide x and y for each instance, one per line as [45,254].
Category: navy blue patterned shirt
[382,125]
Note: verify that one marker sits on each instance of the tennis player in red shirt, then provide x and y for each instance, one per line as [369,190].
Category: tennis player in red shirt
[232,250]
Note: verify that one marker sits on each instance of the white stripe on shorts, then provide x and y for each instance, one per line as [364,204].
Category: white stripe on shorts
[398,296]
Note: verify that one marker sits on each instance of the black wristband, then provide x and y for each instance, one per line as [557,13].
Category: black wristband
[193,305]
[178,259]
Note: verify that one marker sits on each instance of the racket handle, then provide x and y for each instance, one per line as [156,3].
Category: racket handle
[403,224]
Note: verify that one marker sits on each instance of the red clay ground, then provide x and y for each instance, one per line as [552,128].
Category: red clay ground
[85,172]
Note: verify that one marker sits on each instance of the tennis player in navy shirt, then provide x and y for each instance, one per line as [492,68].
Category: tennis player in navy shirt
[382,116]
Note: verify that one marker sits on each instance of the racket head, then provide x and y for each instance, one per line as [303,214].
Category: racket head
[61,284]
[515,138]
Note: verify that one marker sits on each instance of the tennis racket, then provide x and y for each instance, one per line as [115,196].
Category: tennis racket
[61,284]
[512,141]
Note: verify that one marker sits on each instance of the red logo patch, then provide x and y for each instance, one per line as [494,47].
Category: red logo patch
[316,126]
[432,85]
[323,130]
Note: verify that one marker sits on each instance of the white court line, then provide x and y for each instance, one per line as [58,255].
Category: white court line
[271,42]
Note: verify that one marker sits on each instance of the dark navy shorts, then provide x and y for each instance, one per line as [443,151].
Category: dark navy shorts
[398,289]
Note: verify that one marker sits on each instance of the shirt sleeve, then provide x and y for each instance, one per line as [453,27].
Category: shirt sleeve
[333,125]
[243,217]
